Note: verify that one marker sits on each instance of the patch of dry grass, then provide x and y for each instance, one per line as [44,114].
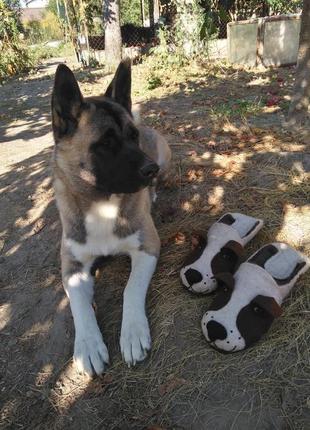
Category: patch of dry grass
[184,383]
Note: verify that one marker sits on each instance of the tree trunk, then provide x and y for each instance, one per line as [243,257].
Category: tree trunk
[298,112]
[156,11]
[151,13]
[112,34]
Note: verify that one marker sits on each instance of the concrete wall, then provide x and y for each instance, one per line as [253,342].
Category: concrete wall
[271,41]
[217,48]
[281,42]
[242,40]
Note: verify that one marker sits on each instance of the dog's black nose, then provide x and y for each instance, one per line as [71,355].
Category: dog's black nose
[149,170]
[193,276]
[216,331]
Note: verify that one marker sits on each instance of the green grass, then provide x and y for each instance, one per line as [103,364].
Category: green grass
[237,108]
[42,51]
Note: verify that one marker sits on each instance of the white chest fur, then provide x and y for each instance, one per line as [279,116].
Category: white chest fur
[100,237]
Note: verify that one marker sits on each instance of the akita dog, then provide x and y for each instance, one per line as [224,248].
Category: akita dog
[104,167]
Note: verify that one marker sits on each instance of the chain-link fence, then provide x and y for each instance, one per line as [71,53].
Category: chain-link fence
[131,36]
[221,13]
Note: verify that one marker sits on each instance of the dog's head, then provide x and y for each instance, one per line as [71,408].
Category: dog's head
[96,141]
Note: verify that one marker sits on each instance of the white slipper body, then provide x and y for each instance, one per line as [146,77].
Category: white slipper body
[247,302]
[219,252]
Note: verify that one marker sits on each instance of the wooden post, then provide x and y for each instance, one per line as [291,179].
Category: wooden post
[151,12]
[142,12]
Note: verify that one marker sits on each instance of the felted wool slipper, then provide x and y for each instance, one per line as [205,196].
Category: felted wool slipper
[220,251]
[247,302]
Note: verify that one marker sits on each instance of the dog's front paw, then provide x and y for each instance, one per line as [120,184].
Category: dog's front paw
[90,354]
[135,338]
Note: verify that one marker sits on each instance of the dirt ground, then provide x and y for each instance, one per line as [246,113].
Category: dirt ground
[230,153]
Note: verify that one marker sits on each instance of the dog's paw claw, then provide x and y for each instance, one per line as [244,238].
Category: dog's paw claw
[135,340]
[90,355]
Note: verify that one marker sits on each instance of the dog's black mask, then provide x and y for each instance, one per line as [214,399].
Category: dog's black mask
[119,165]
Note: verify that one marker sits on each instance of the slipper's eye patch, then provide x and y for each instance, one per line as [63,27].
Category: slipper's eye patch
[224,292]
[228,259]
[255,319]
[227,219]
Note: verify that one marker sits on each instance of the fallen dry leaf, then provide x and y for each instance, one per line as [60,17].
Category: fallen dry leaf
[171,385]
[179,238]
[194,175]
[39,225]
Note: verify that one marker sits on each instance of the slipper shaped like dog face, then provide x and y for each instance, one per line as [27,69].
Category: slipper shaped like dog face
[220,251]
[247,303]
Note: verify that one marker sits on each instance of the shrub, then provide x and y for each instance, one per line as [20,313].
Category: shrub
[46,29]
[14,56]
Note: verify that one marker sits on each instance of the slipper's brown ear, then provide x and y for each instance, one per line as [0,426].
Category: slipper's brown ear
[235,247]
[226,279]
[269,304]
[228,258]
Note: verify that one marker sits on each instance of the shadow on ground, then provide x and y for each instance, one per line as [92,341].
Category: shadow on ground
[220,164]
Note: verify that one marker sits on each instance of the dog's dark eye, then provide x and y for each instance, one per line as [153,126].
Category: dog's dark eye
[132,134]
[109,141]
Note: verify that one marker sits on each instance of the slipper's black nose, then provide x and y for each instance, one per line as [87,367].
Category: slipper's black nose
[193,276]
[216,331]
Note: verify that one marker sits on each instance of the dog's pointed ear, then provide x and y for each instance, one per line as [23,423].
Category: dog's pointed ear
[269,304]
[226,279]
[67,101]
[120,88]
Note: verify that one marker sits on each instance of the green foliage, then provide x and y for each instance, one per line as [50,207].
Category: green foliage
[238,108]
[284,6]
[186,39]
[190,20]
[153,81]
[44,30]
[9,23]
[235,10]
[14,56]
[208,28]
[130,12]
[93,13]
[42,52]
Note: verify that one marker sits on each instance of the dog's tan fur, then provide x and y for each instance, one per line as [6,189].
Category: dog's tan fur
[95,224]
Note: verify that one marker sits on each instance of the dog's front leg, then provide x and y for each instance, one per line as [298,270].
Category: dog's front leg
[90,353]
[135,333]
